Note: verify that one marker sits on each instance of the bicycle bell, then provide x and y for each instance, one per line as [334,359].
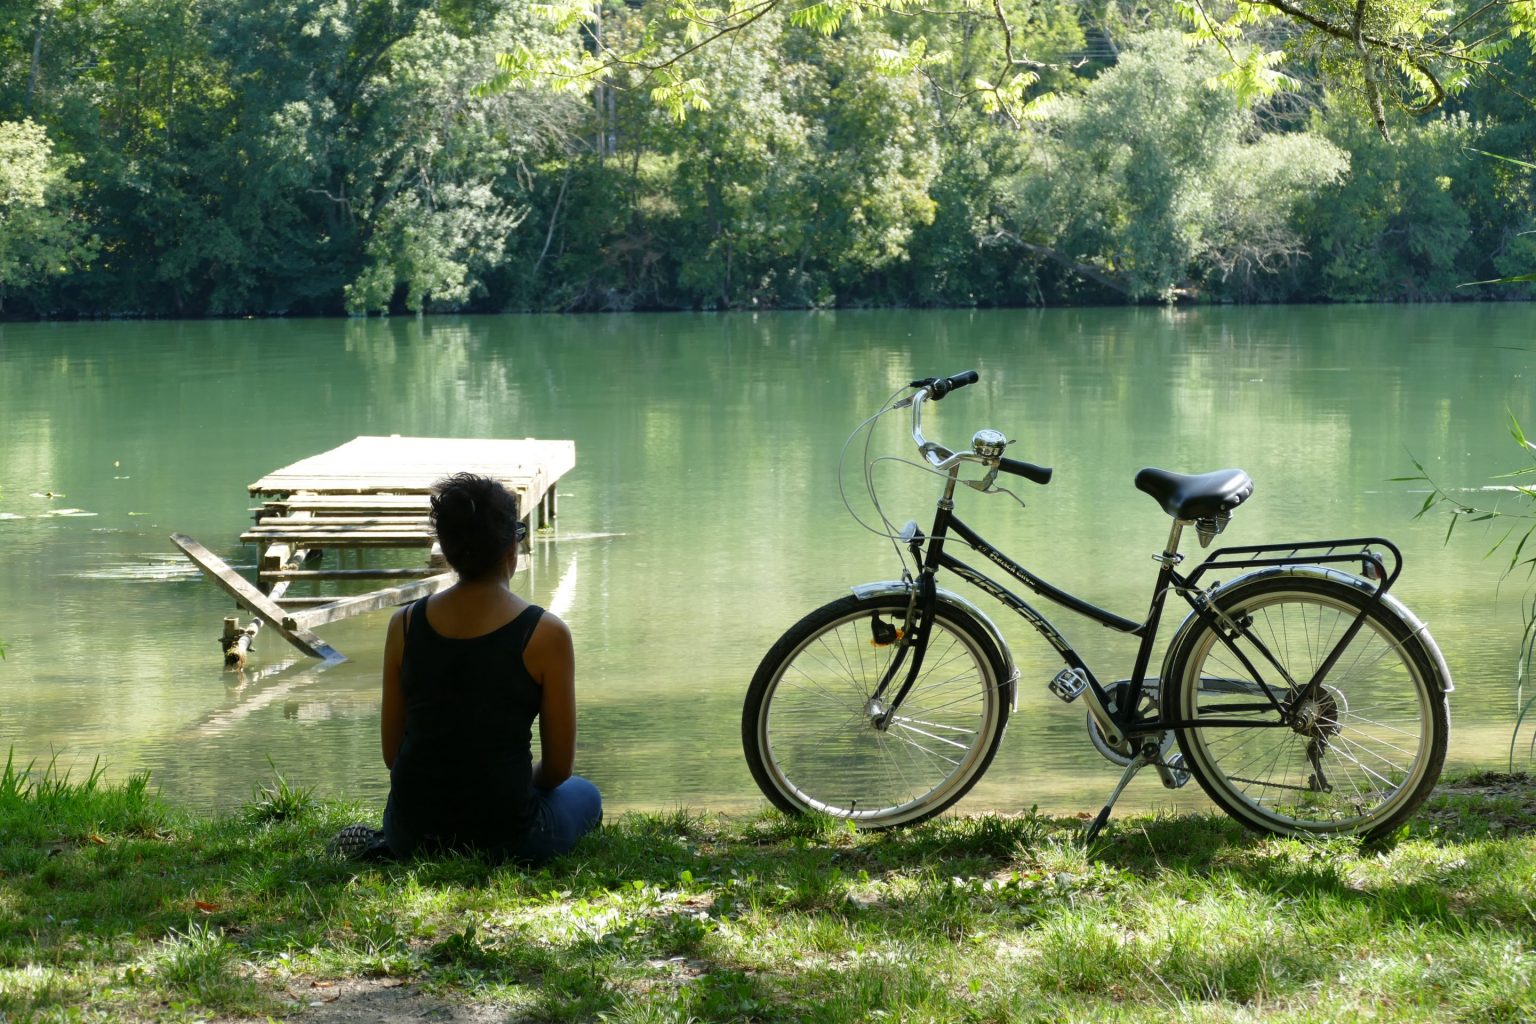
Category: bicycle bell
[989,443]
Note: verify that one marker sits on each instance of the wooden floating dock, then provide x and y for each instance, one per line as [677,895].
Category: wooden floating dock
[369,494]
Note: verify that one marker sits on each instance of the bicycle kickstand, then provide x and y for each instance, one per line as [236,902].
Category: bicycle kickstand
[1140,761]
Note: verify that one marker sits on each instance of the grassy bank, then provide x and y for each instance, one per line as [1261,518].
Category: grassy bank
[115,907]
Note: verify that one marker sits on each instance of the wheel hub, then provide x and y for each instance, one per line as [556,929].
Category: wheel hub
[1316,718]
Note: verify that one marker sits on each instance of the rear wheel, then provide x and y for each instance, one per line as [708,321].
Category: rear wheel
[809,724]
[1356,755]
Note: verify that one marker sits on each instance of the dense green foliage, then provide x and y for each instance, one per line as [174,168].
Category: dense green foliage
[117,908]
[223,157]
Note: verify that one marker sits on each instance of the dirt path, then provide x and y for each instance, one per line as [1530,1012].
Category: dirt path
[376,1001]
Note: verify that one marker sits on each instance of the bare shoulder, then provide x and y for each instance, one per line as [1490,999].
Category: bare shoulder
[396,631]
[551,628]
[549,656]
[551,620]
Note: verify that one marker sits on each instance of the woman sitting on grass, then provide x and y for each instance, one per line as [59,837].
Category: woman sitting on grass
[466,673]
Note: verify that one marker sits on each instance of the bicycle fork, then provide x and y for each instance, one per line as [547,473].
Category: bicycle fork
[914,641]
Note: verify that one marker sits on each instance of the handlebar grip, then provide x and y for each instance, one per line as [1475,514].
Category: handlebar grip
[1027,470]
[938,387]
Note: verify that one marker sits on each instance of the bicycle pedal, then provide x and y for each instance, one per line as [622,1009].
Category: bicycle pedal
[1069,684]
[1173,773]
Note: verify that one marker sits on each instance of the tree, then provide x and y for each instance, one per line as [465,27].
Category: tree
[1394,228]
[1153,182]
[40,233]
[449,197]
[265,155]
[800,184]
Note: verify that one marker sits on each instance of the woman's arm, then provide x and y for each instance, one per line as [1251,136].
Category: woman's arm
[551,661]
[392,713]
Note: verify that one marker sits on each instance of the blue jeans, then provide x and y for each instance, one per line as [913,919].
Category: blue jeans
[560,817]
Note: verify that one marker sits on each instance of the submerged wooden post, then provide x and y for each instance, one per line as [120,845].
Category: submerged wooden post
[546,507]
[237,642]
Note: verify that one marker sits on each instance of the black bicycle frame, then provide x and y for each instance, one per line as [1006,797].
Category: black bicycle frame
[932,557]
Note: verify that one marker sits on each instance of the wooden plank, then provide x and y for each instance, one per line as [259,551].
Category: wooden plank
[323,532]
[346,540]
[529,492]
[249,597]
[336,529]
[272,557]
[349,606]
[282,524]
[383,499]
[360,484]
[351,522]
[351,574]
[348,505]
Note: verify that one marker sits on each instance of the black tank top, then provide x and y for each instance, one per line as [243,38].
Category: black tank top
[463,774]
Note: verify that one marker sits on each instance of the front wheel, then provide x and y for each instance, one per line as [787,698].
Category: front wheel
[810,724]
[1355,755]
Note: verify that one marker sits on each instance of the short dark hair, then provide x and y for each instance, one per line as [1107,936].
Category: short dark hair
[476,519]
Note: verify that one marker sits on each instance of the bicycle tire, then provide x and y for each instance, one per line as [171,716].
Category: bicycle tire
[1358,759]
[807,723]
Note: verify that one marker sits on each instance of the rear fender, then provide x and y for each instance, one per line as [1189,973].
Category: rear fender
[1389,602]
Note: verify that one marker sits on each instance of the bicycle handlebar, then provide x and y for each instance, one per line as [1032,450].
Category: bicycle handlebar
[938,387]
[940,457]
[1027,470]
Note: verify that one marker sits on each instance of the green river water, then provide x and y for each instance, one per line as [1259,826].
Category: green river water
[703,516]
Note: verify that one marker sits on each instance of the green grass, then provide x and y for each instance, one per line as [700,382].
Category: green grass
[116,907]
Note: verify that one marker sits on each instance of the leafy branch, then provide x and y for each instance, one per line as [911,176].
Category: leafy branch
[661,54]
[1514,541]
[1446,499]
[1398,50]
[1408,52]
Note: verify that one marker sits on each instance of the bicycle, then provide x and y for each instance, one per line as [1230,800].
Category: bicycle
[1302,696]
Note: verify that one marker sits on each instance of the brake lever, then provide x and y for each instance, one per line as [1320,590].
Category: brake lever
[983,483]
[986,485]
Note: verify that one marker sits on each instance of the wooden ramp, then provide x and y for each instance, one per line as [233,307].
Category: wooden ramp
[366,496]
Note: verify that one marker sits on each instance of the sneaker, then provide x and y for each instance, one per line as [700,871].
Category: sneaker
[359,842]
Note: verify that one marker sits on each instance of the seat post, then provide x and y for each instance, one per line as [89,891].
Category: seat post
[1170,556]
[1168,560]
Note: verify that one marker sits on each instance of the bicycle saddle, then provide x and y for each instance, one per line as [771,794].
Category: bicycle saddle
[1196,497]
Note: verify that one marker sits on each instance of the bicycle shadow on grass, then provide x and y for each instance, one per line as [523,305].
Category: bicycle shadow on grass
[1458,857]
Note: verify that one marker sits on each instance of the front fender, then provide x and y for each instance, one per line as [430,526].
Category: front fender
[900,588]
[1389,602]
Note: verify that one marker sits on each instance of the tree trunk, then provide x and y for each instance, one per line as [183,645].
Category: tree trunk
[1087,270]
[37,59]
